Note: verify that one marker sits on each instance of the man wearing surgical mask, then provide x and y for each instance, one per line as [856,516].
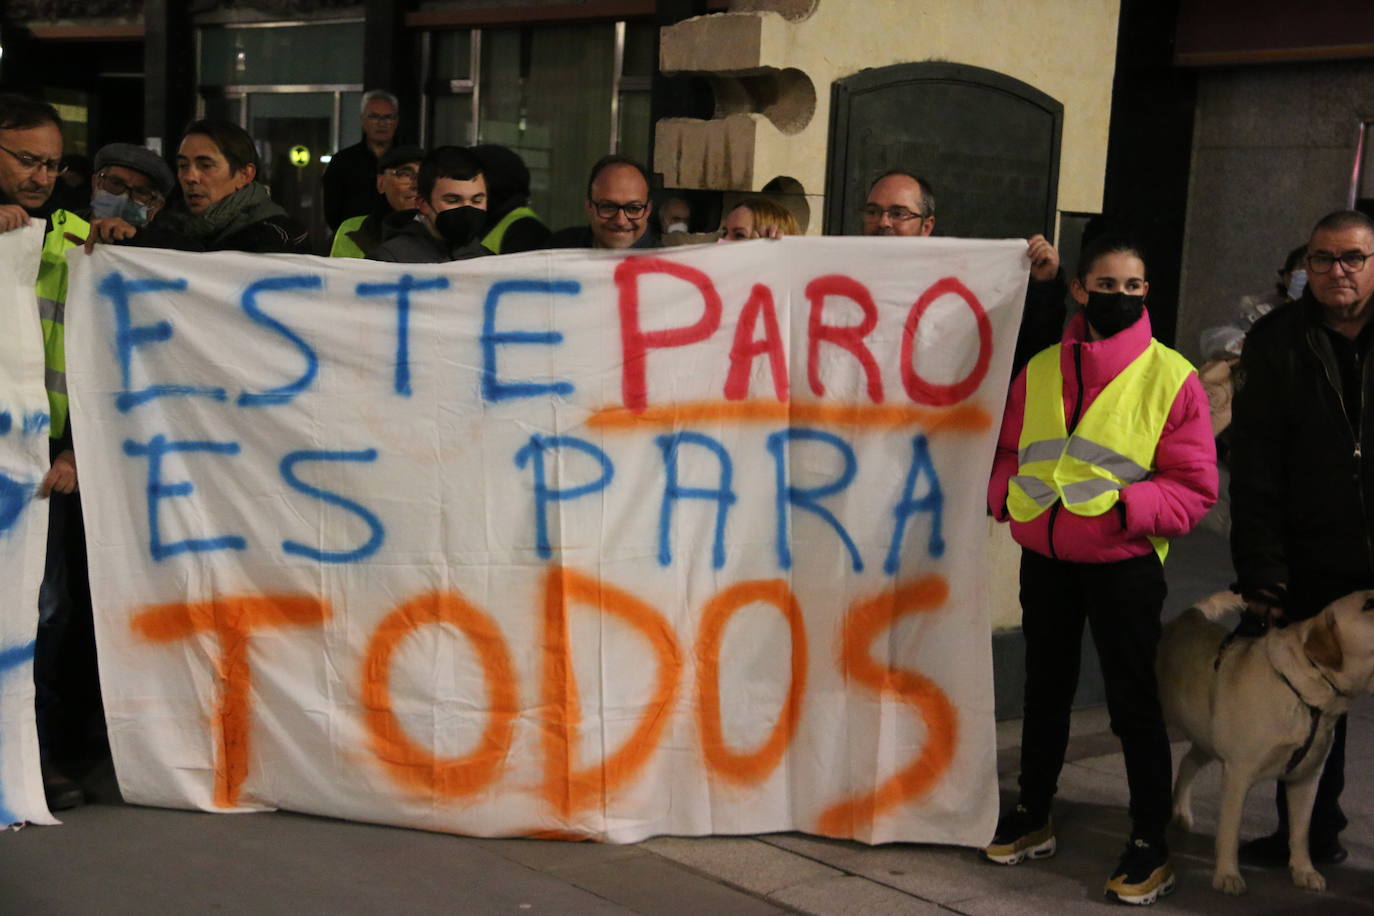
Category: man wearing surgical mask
[130,183]
[450,215]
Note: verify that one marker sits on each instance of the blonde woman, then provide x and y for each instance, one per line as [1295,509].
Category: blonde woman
[758,218]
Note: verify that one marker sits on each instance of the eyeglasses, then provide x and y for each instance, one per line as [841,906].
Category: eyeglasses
[34,163]
[607,209]
[873,212]
[116,185]
[380,117]
[1321,263]
[406,173]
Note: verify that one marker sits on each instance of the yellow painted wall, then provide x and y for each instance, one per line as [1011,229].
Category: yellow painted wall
[1065,48]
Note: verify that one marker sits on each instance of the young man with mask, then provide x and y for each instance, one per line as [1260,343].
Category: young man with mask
[450,215]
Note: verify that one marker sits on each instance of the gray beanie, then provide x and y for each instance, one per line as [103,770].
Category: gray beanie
[140,159]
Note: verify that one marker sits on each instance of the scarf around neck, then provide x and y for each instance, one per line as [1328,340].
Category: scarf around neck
[248,205]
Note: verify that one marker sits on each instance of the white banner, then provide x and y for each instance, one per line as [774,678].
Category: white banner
[23,522]
[558,544]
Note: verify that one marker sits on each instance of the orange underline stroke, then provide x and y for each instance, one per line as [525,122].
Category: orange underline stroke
[963,418]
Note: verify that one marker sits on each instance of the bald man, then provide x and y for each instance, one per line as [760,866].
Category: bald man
[900,203]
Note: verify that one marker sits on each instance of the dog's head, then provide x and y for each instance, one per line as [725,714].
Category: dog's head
[1340,641]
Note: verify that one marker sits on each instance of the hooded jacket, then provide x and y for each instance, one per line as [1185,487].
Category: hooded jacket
[1167,504]
[508,187]
[406,239]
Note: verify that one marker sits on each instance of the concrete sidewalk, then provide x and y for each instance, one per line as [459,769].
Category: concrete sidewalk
[112,858]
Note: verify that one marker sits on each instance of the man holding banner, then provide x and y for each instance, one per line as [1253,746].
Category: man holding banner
[901,204]
[557,545]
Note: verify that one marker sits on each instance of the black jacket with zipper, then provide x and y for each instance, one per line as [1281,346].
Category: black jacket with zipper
[1302,473]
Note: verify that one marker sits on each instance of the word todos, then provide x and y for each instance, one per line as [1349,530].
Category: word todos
[570,785]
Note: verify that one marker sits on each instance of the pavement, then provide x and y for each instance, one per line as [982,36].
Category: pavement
[111,858]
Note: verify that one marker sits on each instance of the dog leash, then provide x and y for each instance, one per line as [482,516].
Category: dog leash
[1313,712]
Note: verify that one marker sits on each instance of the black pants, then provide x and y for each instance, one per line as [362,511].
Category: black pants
[67,704]
[1121,603]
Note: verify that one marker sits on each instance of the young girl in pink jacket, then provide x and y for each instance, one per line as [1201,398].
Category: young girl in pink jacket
[1105,452]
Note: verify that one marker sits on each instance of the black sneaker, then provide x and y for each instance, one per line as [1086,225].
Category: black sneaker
[61,792]
[1018,836]
[1143,875]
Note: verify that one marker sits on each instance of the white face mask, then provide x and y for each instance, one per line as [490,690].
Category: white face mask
[1297,282]
[105,205]
[677,227]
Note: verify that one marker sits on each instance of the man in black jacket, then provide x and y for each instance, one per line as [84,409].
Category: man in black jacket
[350,179]
[1302,471]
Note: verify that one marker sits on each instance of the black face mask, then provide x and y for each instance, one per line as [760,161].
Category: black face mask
[460,225]
[1112,312]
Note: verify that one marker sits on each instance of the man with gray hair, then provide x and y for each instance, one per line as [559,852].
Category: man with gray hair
[350,179]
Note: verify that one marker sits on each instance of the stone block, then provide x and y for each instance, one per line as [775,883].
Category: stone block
[721,42]
[715,155]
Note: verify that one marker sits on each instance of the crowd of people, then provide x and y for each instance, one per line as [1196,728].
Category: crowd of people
[1106,450]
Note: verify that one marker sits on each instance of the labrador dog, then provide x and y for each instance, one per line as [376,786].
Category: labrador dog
[1265,707]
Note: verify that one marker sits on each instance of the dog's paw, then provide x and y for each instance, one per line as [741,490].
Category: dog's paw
[1184,819]
[1232,884]
[1309,879]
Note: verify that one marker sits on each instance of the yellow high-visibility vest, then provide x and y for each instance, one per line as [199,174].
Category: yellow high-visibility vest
[52,306]
[492,240]
[1112,446]
[344,246]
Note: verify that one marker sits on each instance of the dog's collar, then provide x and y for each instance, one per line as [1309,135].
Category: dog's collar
[1314,714]
[1322,674]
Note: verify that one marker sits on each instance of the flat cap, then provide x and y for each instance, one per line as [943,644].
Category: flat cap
[140,159]
[400,155]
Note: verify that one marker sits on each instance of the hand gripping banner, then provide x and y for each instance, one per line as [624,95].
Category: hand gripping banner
[567,544]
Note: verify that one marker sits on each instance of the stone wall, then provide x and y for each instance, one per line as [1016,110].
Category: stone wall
[1273,151]
[772,63]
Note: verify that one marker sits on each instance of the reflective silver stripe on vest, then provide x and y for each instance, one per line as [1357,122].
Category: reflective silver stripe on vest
[1085,490]
[55,380]
[51,310]
[1039,491]
[1044,450]
[1108,460]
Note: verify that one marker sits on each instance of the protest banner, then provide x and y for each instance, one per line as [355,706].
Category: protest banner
[23,522]
[563,544]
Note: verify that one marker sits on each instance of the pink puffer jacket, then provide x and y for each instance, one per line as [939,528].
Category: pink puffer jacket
[1167,504]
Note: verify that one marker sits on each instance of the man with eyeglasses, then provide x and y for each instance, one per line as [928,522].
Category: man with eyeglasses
[350,180]
[1302,473]
[398,174]
[617,208]
[130,183]
[30,156]
[902,204]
